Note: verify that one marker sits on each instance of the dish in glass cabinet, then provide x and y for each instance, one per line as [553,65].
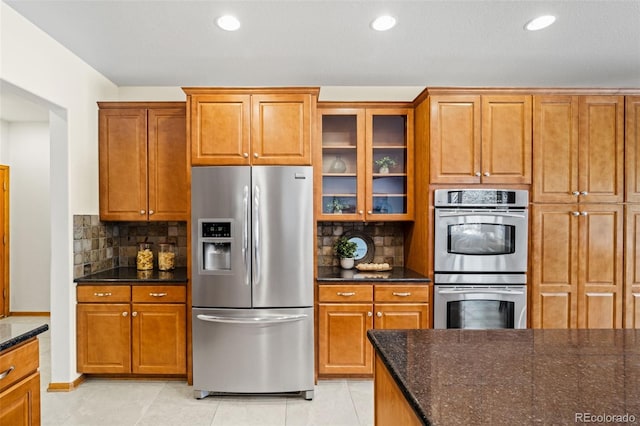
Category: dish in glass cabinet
[365,248]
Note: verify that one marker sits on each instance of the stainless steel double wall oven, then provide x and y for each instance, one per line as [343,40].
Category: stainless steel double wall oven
[480,258]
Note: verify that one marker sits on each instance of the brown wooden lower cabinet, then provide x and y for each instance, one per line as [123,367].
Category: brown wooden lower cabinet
[143,334]
[346,312]
[20,389]
[389,404]
[632,266]
[577,266]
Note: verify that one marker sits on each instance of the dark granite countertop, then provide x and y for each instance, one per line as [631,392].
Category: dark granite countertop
[509,377]
[133,276]
[335,275]
[14,334]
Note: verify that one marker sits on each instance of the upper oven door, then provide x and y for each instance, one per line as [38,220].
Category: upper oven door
[469,240]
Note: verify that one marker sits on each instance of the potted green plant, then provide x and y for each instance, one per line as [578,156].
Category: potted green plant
[385,163]
[346,251]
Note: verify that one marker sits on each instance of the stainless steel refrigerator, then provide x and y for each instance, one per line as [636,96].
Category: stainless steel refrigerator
[252,289]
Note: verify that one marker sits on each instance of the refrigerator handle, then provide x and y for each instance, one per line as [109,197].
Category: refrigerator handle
[245,234]
[256,235]
[252,320]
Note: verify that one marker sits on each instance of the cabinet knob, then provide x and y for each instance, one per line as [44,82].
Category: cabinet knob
[142,212]
[370,211]
[379,314]
[151,211]
[584,213]
[245,155]
[134,314]
[575,213]
[369,314]
[584,193]
[255,155]
[576,193]
[361,212]
[478,174]
[124,314]
[487,174]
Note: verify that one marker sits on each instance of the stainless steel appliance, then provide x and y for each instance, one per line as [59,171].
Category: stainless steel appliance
[480,258]
[252,290]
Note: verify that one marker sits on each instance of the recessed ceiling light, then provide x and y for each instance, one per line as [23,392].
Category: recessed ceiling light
[540,22]
[383,23]
[228,23]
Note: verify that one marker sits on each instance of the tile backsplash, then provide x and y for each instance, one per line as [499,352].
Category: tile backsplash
[98,246]
[388,241]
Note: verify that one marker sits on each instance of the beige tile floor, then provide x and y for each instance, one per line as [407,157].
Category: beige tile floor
[123,402]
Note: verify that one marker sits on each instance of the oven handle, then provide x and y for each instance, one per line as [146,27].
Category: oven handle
[478,290]
[482,212]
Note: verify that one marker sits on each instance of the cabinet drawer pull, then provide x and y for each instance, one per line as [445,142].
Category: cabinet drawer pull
[346,293]
[6,372]
[403,294]
[106,294]
[157,294]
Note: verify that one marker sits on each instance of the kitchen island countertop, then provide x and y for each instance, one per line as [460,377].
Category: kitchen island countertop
[130,276]
[399,275]
[13,334]
[500,377]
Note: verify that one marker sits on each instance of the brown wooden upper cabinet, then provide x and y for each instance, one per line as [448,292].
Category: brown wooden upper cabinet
[480,138]
[578,144]
[632,135]
[250,126]
[143,161]
[355,144]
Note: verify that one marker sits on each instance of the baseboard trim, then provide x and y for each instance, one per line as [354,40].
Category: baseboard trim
[66,387]
[29,314]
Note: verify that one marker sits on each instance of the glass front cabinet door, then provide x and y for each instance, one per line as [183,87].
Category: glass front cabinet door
[366,164]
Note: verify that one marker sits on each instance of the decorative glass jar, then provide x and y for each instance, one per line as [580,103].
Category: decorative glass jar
[144,259]
[166,256]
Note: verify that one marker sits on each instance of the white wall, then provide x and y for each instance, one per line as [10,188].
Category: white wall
[32,61]
[4,140]
[30,218]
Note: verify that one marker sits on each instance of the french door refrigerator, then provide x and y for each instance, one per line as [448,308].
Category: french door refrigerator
[252,289]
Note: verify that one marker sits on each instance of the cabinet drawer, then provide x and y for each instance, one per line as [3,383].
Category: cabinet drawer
[18,363]
[345,293]
[104,293]
[159,294]
[401,293]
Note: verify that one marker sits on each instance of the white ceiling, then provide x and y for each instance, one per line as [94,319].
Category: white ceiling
[329,43]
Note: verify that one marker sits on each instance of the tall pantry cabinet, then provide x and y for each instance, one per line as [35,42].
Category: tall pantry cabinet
[578,212]
[632,213]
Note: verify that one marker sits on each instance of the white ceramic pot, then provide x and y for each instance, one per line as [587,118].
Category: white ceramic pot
[383,170]
[347,262]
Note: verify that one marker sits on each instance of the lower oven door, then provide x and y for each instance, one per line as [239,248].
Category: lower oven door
[480,307]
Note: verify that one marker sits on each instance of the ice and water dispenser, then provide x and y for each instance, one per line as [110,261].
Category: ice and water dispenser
[215,243]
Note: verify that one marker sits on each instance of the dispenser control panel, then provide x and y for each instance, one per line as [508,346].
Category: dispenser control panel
[216,230]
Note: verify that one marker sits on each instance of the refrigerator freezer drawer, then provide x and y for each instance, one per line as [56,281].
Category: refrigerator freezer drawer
[252,351]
